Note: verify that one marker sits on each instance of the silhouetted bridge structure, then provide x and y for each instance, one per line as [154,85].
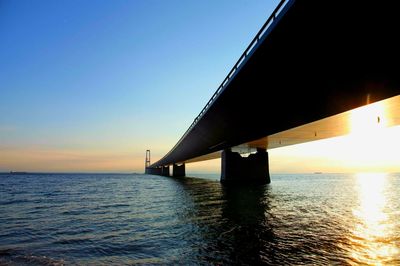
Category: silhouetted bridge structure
[311,63]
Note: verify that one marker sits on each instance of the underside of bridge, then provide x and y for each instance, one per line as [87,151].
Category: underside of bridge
[314,63]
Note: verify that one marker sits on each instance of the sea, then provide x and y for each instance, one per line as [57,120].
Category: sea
[135,219]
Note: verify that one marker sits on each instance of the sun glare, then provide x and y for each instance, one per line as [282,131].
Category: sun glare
[370,140]
[368,120]
[372,143]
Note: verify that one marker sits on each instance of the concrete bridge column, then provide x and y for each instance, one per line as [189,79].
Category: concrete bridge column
[251,169]
[165,170]
[178,170]
[154,171]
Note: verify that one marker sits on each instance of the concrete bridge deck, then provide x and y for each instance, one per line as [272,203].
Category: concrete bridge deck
[310,63]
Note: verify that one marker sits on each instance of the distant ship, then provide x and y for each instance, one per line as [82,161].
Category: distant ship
[317,173]
[18,173]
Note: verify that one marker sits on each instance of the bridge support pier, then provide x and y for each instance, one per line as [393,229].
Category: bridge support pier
[153,171]
[178,170]
[251,169]
[165,170]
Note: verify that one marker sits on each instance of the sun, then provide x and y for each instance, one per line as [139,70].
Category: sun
[369,120]
[371,144]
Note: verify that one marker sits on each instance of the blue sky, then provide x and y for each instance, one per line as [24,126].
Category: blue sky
[113,77]
[88,86]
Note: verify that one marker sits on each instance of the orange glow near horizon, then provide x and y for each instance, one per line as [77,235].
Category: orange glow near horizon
[62,160]
[371,146]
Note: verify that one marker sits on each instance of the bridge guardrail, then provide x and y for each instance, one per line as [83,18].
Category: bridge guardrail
[231,73]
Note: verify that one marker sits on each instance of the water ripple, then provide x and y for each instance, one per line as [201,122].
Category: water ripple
[152,220]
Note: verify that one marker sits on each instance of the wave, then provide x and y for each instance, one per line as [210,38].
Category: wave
[17,257]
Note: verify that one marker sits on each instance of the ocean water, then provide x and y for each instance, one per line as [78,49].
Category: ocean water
[111,219]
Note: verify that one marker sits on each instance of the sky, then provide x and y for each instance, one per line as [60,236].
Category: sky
[88,86]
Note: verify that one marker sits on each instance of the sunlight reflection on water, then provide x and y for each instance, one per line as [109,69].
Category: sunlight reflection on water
[373,233]
[109,219]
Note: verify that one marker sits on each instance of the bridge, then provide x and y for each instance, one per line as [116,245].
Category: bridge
[310,64]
